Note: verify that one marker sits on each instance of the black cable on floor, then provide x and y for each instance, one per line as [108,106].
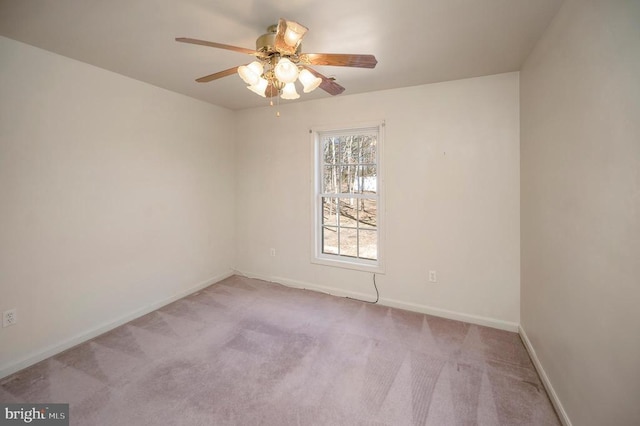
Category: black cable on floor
[368,301]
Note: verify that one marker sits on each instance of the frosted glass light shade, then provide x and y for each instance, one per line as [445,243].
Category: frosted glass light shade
[294,33]
[286,71]
[260,87]
[289,92]
[250,73]
[309,81]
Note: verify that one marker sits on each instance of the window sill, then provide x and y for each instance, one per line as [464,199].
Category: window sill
[365,266]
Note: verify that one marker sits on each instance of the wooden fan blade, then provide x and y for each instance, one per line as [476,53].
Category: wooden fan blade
[328,85]
[215,76]
[216,45]
[288,36]
[339,60]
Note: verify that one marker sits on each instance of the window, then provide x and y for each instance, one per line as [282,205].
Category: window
[347,194]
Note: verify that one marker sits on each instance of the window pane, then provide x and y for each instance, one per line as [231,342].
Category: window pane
[368,150]
[368,244]
[365,180]
[330,150]
[358,179]
[348,242]
[330,211]
[369,171]
[330,179]
[348,176]
[367,213]
[348,212]
[350,149]
[330,239]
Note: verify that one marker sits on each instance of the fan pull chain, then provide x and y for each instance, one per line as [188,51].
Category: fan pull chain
[271,104]
[277,104]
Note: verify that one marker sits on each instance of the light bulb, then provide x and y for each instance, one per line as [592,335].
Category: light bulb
[286,71]
[260,87]
[289,92]
[250,73]
[309,81]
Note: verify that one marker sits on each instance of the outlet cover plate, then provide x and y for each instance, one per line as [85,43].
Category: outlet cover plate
[9,317]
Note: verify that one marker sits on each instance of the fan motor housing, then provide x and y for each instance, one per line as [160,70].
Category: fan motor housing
[266,42]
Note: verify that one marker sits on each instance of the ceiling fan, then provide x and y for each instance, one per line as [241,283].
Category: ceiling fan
[280,62]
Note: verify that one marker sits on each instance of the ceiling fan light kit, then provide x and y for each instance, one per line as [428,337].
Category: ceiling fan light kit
[289,92]
[251,73]
[309,81]
[293,33]
[260,88]
[279,63]
[286,71]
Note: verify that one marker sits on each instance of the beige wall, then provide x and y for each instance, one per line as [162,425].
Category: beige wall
[115,196]
[580,166]
[452,196]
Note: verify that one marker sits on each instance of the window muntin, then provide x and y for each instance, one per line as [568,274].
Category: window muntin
[347,199]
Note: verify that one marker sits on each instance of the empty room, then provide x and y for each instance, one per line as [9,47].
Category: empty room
[419,213]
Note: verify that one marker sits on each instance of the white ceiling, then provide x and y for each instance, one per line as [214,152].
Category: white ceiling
[415,41]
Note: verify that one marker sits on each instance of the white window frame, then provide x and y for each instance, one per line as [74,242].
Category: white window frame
[317,256]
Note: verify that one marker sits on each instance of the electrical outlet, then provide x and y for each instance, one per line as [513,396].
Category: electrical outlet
[272,252]
[433,277]
[9,317]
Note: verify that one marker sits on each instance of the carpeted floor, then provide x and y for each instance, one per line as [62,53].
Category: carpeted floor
[247,352]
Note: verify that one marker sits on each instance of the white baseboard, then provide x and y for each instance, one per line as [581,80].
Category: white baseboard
[423,309]
[553,396]
[459,316]
[52,350]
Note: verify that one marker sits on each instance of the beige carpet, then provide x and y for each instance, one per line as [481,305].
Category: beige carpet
[248,352]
